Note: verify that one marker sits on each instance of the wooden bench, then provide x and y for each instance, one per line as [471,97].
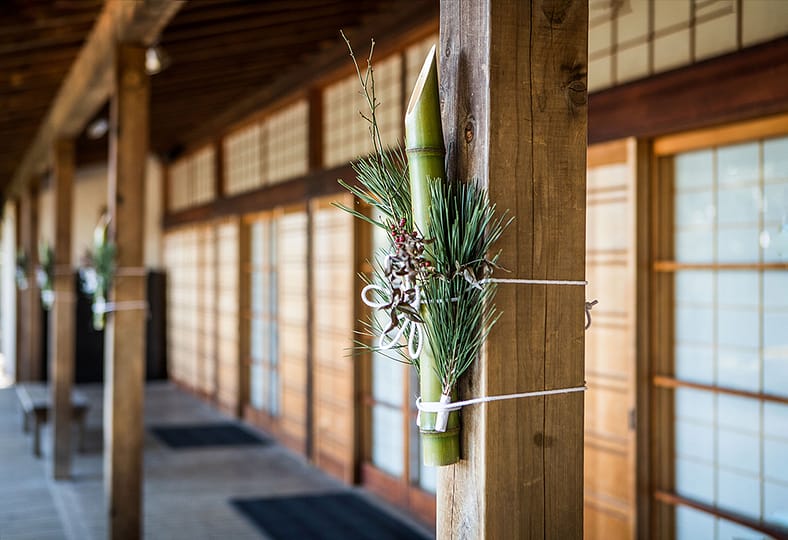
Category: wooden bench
[36,401]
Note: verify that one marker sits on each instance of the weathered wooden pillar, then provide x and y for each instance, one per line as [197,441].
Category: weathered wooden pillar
[61,320]
[125,332]
[513,82]
[28,366]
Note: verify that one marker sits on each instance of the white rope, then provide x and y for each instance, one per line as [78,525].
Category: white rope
[131,271]
[110,307]
[532,281]
[417,331]
[445,405]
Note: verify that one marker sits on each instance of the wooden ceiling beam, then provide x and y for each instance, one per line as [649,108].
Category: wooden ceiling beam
[89,82]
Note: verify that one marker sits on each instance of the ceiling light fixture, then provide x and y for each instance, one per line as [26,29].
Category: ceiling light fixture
[156,60]
[98,128]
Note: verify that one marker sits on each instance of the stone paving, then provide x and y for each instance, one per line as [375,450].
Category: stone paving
[186,493]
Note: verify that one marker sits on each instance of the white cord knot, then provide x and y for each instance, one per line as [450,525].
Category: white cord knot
[402,322]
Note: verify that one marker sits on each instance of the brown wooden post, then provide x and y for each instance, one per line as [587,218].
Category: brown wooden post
[29,367]
[125,335]
[513,82]
[61,321]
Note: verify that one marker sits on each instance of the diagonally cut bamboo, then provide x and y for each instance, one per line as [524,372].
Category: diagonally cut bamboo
[425,150]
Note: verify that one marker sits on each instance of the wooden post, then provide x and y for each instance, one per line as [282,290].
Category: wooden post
[61,321]
[125,333]
[29,319]
[513,83]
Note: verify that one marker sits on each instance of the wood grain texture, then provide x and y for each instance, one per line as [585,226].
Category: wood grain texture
[513,78]
[61,322]
[662,437]
[125,334]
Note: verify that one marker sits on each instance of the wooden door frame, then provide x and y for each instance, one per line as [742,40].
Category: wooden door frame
[637,152]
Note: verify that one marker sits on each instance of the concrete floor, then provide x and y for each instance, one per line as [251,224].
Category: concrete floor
[186,492]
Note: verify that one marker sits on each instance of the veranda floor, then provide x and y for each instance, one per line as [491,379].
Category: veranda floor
[186,493]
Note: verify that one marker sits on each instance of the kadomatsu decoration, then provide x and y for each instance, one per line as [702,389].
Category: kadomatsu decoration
[433,309]
[45,273]
[98,272]
[22,268]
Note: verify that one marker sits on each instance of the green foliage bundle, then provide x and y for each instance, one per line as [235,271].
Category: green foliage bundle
[463,228]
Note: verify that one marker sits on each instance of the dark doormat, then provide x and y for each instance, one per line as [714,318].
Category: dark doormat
[334,516]
[204,435]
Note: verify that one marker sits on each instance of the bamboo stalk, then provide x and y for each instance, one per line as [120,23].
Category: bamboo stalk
[426,154]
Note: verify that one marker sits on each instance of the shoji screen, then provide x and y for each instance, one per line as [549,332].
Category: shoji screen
[334,388]
[191,289]
[730,337]
[291,302]
[206,309]
[227,264]
[179,257]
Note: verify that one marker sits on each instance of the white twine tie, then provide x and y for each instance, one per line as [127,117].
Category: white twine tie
[416,336]
[445,405]
[110,307]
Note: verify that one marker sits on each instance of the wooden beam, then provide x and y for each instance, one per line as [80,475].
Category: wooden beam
[731,88]
[125,334]
[89,81]
[298,190]
[513,81]
[61,322]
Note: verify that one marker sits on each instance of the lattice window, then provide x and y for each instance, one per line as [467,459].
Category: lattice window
[631,39]
[286,143]
[192,179]
[243,160]
[203,174]
[345,133]
[388,90]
